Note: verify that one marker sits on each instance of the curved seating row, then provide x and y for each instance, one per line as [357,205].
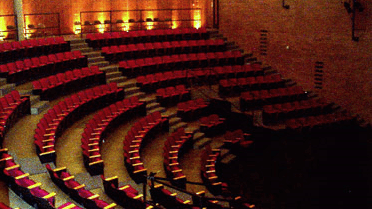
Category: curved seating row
[227,71]
[101,124]
[234,86]
[126,195]
[168,199]
[20,182]
[49,88]
[28,69]
[174,146]
[11,51]
[303,108]
[258,98]
[68,110]
[142,66]
[172,95]
[237,140]
[141,131]
[67,183]
[212,124]
[319,122]
[192,109]
[12,107]
[122,52]
[209,158]
[99,40]
[151,82]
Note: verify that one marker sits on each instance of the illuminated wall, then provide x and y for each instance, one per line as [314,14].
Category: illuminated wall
[6,8]
[70,12]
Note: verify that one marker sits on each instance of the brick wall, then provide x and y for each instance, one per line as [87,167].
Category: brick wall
[309,31]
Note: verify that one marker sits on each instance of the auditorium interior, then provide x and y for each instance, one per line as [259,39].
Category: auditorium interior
[188,104]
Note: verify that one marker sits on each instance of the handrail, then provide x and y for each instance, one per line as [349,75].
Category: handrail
[140,11]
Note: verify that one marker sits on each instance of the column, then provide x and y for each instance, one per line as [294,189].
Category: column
[18,11]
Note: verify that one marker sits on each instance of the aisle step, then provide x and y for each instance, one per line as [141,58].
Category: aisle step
[7,88]
[39,107]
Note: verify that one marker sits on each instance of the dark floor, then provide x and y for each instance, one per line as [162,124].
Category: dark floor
[328,171]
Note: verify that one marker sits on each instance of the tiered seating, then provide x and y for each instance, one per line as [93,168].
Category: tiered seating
[12,107]
[173,148]
[68,110]
[29,190]
[116,53]
[237,85]
[12,51]
[66,182]
[166,198]
[142,66]
[237,71]
[126,196]
[192,109]
[172,95]
[142,130]
[98,40]
[151,82]
[51,87]
[212,125]
[101,124]
[29,69]
[319,122]
[209,158]
[254,99]
[237,139]
[303,108]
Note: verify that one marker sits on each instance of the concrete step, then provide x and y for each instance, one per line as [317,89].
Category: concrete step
[176,126]
[100,64]
[84,50]
[34,99]
[174,121]
[2,81]
[200,143]
[158,109]
[7,88]
[113,74]
[96,59]
[39,107]
[131,90]
[118,79]
[198,135]
[140,95]
[79,46]
[171,114]
[149,99]
[25,92]
[227,157]
[128,83]
[76,41]
[91,54]
[153,105]
[109,69]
